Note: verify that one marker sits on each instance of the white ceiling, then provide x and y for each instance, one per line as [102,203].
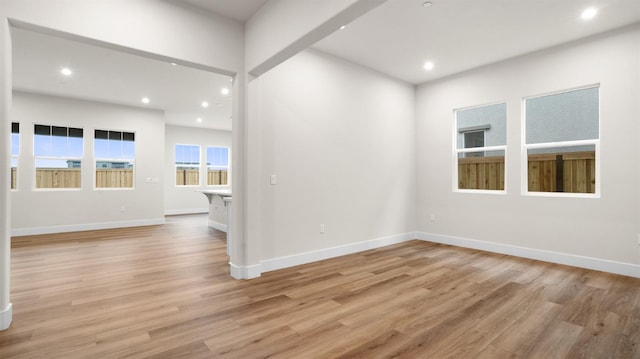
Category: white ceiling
[237,9]
[397,37]
[106,75]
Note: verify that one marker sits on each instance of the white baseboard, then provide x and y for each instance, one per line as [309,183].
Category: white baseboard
[177,212]
[6,316]
[332,252]
[84,227]
[218,226]
[628,269]
[244,272]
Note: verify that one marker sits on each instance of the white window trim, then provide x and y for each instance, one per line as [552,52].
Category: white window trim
[457,151]
[16,157]
[175,166]
[36,158]
[524,158]
[228,168]
[96,160]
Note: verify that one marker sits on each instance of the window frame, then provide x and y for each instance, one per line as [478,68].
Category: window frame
[465,133]
[175,165]
[524,155]
[65,158]
[97,159]
[464,139]
[228,168]
[457,151]
[16,156]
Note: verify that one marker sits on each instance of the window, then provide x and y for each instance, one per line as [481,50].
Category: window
[562,142]
[480,147]
[217,166]
[58,156]
[187,165]
[114,152]
[15,151]
[473,139]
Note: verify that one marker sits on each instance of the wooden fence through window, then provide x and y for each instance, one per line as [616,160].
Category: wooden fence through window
[191,177]
[71,178]
[14,178]
[481,173]
[114,178]
[58,178]
[186,177]
[571,172]
[217,177]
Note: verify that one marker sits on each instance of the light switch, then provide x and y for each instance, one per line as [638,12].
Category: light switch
[272,180]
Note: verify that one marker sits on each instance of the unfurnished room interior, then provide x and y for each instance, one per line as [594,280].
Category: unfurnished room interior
[320,179]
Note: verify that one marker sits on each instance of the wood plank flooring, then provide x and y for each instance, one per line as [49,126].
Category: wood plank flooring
[165,292]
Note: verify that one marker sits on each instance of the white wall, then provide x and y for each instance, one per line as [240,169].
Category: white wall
[339,139]
[45,211]
[604,228]
[279,30]
[6,311]
[185,199]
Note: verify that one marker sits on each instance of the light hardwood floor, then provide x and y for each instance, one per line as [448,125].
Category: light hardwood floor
[165,292]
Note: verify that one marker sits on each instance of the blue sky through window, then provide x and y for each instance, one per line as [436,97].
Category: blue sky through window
[51,163]
[114,149]
[218,157]
[61,142]
[15,144]
[58,146]
[188,155]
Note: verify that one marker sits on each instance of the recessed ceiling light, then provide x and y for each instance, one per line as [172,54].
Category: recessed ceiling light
[224,91]
[428,66]
[173,64]
[66,71]
[343,27]
[199,120]
[145,100]
[589,13]
[205,104]
[427,4]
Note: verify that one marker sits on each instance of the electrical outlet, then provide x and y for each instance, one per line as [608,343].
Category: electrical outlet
[322,228]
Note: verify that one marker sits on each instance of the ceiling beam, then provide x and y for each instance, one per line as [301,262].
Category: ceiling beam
[282,28]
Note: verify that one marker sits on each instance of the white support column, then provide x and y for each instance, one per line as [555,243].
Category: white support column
[5,176]
[243,259]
